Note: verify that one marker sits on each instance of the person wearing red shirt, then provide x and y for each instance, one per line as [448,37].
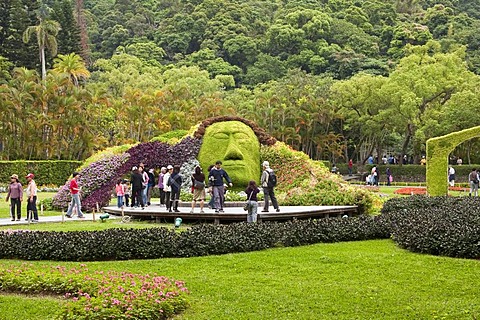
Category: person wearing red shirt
[74,191]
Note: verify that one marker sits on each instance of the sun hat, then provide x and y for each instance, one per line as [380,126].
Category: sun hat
[14,176]
[169,167]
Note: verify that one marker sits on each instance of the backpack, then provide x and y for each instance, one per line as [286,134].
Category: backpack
[272,179]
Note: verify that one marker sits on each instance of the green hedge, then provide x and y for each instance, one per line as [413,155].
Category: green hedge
[447,226]
[46,172]
[199,240]
[410,172]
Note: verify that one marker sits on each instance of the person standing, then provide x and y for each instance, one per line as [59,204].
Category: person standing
[167,189]
[136,181]
[268,186]
[451,176]
[15,194]
[252,191]
[120,191]
[211,203]
[31,198]
[175,183]
[216,176]
[75,192]
[350,167]
[150,185]
[144,190]
[388,172]
[473,179]
[198,183]
[126,188]
[375,175]
[160,185]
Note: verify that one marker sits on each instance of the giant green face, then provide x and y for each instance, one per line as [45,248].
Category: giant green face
[236,145]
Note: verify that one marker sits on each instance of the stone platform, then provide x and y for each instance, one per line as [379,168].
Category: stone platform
[234,213]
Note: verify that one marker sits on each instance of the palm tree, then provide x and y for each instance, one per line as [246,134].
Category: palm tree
[46,32]
[73,65]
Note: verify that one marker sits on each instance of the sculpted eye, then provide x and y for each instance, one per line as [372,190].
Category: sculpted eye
[241,136]
[220,135]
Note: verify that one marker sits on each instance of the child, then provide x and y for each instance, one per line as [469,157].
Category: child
[120,191]
[126,188]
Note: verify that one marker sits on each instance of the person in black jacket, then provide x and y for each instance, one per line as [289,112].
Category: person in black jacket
[136,180]
[175,182]
[216,176]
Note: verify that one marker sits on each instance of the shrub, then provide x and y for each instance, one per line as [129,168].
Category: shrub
[100,295]
[448,226]
[46,172]
[302,181]
[199,240]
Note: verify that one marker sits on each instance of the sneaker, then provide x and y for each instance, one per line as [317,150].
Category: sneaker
[201,211]
[278,209]
[35,220]
[26,219]
[143,208]
[191,211]
[264,210]
[216,211]
[19,219]
[81,217]
[13,219]
[221,211]
[176,210]
[68,216]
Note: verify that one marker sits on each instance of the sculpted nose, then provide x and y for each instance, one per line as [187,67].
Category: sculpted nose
[233,152]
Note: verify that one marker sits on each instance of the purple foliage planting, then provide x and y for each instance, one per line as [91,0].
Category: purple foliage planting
[91,179]
[152,154]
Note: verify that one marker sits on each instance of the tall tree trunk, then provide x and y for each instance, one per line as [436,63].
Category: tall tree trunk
[42,62]
[82,23]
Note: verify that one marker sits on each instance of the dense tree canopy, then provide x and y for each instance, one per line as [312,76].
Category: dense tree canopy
[336,79]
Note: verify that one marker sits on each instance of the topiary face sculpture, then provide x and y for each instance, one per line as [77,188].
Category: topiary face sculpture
[237,146]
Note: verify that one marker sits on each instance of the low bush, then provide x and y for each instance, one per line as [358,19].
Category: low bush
[205,239]
[48,172]
[447,226]
[100,295]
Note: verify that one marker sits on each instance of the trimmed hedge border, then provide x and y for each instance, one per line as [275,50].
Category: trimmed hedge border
[47,172]
[200,240]
[446,226]
[410,172]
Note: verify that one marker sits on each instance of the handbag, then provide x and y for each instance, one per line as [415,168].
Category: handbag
[198,184]
[247,204]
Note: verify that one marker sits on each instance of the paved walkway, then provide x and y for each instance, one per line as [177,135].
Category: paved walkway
[45,219]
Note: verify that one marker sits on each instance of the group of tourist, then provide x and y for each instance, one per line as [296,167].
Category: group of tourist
[15,195]
[170,182]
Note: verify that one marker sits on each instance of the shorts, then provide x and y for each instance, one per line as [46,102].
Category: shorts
[199,194]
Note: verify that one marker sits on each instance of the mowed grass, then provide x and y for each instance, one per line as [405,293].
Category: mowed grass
[351,280]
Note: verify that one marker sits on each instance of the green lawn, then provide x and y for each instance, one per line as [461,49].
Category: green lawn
[353,280]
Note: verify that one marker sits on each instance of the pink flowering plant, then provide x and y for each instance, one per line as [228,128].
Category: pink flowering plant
[99,294]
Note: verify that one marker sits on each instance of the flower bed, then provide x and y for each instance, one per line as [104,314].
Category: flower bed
[411,190]
[423,190]
[100,295]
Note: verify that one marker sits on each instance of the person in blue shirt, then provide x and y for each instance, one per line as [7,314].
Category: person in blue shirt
[216,176]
